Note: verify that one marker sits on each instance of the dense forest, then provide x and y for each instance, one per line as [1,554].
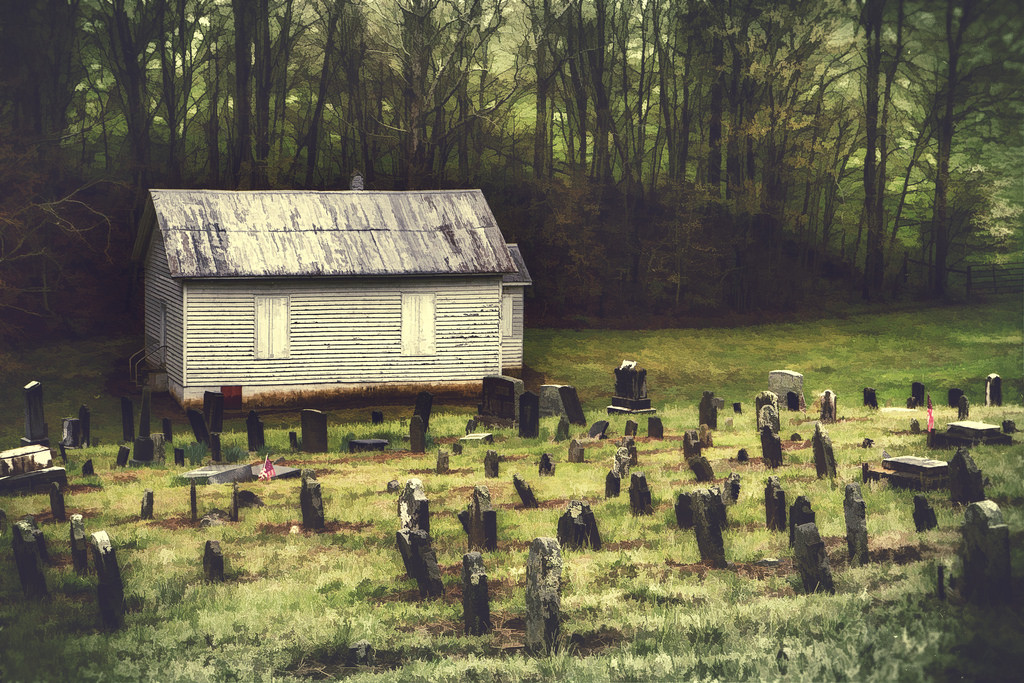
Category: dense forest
[655,159]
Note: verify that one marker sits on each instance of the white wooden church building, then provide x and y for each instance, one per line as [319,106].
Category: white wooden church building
[281,293]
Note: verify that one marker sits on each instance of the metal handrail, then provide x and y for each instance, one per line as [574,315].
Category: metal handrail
[133,364]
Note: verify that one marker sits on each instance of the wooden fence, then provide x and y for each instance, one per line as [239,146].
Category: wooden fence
[1002,278]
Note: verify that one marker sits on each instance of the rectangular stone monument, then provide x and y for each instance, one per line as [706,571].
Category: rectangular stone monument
[543,595]
[145,412]
[789,387]
[85,424]
[417,435]
[314,431]
[551,400]
[109,586]
[364,445]
[35,424]
[198,424]
[213,410]
[255,434]
[71,433]
[499,403]
[529,415]
[969,433]
[573,407]
[424,404]
[630,390]
[476,610]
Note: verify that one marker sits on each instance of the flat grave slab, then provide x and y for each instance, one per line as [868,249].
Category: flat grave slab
[973,428]
[236,472]
[478,437]
[969,433]
[911,463]
[36,479]
[361,445]
[909,472]
[619,410]
[25,459]
[898,410]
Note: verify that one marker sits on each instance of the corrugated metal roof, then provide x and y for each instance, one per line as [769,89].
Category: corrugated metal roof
[213,233]
[522,275]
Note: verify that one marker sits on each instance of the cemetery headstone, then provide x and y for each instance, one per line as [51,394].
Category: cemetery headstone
[824,458]
[254,431]
[870,398]
[376,417]
[707,524]
[719,403]
[629,443]
[417,435]
[142,453]
[198,424]
[684,511]
[911,403]
[314,431]
[691,444]
[529,415]
[761,400]
[393,486]
[768,417]
[360,653]
[543,595]
[985,554]
[420,561]
[799,513]
[110,589]
[774,505]
[743,456]
[917,391]
[572,405]
[731,489]
[612,484]
[71,433]
[215,452]
[491,465]
[547,466]
[915,427]
[213,410]
[551,400]
[122,456]
[424,405]
[575,451]
[562,430]
[500,399]
[128,420]
[705,436]
[630,428]
[213,561]
[233,515]
[1009,426]
[158,445]
[737,408]
[963,409]
[771,447]
[707,410]
[577,527]
[630,387]
[598,429]
[701,468]
[179,457]
[811,560]
[413,507]
[293,441]
[193,503]
[167,429]
[828,406]
[85,423]
[993,390]
[312,505]
[457,448]
[953,397]
[87,468]
[442,462]
[57,502]
[525,492]
[965,481]
[35,424]
[867,443]
[476,606]
[783,383]
[480,520]
[28,561]
[147,505]
[856,525]
[145,426]
[655,429]
[639,495]
[621,462]
[79,550]
[924,515]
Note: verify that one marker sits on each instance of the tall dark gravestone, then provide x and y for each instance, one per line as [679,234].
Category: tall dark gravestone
[417,435]
[500,399]
[708,410]
[314,431]
[655,429]
[993,390]
[167,429]
[85,424]
[198,424]
[213,410]
[630,387]
[254,431]
[799,513]
[424,405]
[572,405]
[529,415]
[870,398]
[917,391]
[145,427]
[953,397]
[35,424]
[110,588]
[127,420]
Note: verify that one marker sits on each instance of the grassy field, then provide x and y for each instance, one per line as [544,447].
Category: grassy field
[642,608]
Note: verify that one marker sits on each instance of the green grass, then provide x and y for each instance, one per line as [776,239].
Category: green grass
[640,609]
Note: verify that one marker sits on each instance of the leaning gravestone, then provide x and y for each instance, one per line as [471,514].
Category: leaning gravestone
[701,468]
[198,424]
[215,453]
[413,507]
[491,465]
[543,595]
[924,515]
[213,561]
[771,447]
[993,390]
[417,435]
[966,484]
[57,502]
[963,409]
[420,561]
[655,429]
[639,495]
[774,505]
[577,527]
[314,431]
[824,458]
[829,406]
[424,405]
[575,451]
[985,554]
[255,434]
[562,430]
[708,410]
[524,491]
[547,465]
[213,410]
[480,521]
[917,392]
[799,513]
[708,524]
[127,420]
[28,560]
[870,398]
[476,609]
[529,416]
[811,560]
[573,407]
[79,550]
[856,525]
[684,511]
[147,505]
[110,589]
[598,429]
[311,504]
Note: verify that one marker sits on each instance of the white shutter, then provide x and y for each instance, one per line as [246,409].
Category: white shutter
[506,315]
[271,327]
[427,346]
[262,327]
[418,324]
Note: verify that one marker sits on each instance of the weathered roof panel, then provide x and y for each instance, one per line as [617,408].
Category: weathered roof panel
[211,233]
[522,275]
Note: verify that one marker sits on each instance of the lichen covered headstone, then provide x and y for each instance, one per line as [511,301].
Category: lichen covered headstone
[824,458]
[708,522]
[525,492]
[476,607]
[771,447]
[640,495]
[543,595]
[966,484]
[985,554]
[811,560]
[856,525]
[110,589]
[577,527]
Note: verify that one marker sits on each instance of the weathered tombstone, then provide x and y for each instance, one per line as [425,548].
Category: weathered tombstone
[551,401]
[731,489]
[476,606]
[87,468]
[655,428]
[811,560]
[500,399]
[562,430]
[71,433]
[360,653]
[470,426]
[480,521]
[774,505]
[525,492]
[417,435]
[824,458]
[870,398]
[110,589]
[423,408]
[233,514]
[312,505]
[629,443]
[213,410]
[867,443]
[985,554]
[598,429]
[193,506]
[856,525]
[376,417]
[915,427]
[457,448]
[28,560]
[547,466]
[917,392]
[293,441]
[420,561]
[85,424]
[965,481]
[953,397]
[708,523]
[963,409]
[413,507]
[145,427]
[684,511]
[737,408]
[198,424]
[79,551]
[768,417]
[543,595]
[158,445]
[393,486]
[575,451]
[442,462]
[147,505]
[743,456]
[1009,426]
[630,428]
[128,420]
[691,444]
[993,390]
[639,495]
[799,513]
[57,502]
[707,410]
[179,457]
[924,515]
[215,452]
[782,383]
[491,464]
[612,484]
[167,429]
[828,406]
[571,403]
[705,436]
[213,561]
[630,388]
[761,400]
[314,431]
[771,447]
[35,424]
[577,527]
[529,415]
[701,468]
[142,453]
[255,434]
[621,461]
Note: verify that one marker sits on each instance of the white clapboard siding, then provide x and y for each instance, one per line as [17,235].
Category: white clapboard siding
[160,288]
[512,346]
[341,331]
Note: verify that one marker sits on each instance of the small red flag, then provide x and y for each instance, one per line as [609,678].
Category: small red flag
[931,417]
[268,470]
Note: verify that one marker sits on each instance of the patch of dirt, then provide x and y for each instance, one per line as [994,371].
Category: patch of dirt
[46,516]
[591,642]
[123,477]
[176,522]
[748,570]
[796,445]
[377,457]
[464,470]
[541,504]
[513,458]
[330,527]
[82,488]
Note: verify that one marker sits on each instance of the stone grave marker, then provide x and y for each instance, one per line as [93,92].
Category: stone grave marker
[167,430]
[79,550]
[953,397]
[705,436]
[476,606]
[621,462]
[491,465]
[856,525]
[639,495]
[598,429]
[788,386]
[158,445]
[630,428]
[57,502]
[870,398]
[761,400]
[71,433]
[655,429]
[193,507]
[737,408]
[215,453]
[771,447]
[413,507]
[254,431]
[1009,426]
[198,424]
[719,403]
[684,511]
[829,406]
[701,468]
[629,443]
[360,653]
[993,390]
[213,561]
[529,416]
[213,411]
[122,456]
[525,492]
[311,504]
[423,408]
[691,444]
[500,400]
[924,515]
[612,484]
[707,410]
[35,423]
[145,412]
[457,448]
[367,445]
[743,456]
[917,392]
[550,404]
[543,595]
[479,520]
[233,514]
[824,458]
[799,513]
[708,523]
[420,561]
[142,453]
[562,430]
[731,489]
[575,451]
[774,505]
[911,403]
[128,420]
[547,465]
[768,417]
[314,431]
[630,387]
[28,561]
[572,405]
[915,427]
[479,437]
[442,462]
[147,505]
[963,409]
[376,417]
[985,554]
[85,424]
[417,435]
[966,484]
[577,527]
[811,560]
[393,486]
[110,589]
